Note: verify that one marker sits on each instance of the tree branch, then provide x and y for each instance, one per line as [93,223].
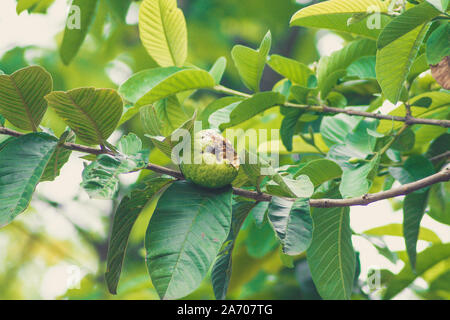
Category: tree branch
[325,109]
[442,176]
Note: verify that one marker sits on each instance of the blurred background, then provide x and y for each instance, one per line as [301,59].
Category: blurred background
[57,248]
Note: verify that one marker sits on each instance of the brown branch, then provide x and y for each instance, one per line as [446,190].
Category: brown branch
[325,109]
[442,176]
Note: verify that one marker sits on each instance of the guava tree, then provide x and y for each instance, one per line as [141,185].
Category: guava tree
[342,150]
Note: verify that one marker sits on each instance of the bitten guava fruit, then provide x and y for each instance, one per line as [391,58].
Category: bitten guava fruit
[213,162]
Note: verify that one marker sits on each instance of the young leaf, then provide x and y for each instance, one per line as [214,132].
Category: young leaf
[92,113]
[100,178]
[79,21]
[395,59]
[126,215]
[221,271]
[295,71]
[320,171]
[162,29]
[406,22]
[334,15]
[396,230]
[184,236]
[218,69]
[239,112]
[250,63]
[25,159]
[330,256]
[22,96]
[413,210]
[292,223]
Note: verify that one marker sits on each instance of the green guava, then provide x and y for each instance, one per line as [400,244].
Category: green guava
[213,162]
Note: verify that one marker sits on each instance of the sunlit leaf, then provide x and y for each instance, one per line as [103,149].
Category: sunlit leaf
[334,15]
[92,113]
[22,96]
[162,29]
[250,63]
[395,59]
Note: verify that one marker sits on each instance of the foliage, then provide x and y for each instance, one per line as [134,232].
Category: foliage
[336,144]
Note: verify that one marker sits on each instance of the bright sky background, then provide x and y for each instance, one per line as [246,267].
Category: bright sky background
[40,30]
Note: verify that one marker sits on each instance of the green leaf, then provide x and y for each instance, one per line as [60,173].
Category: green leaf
[216,105]
[119,8]
[218,69]
[22,96]
[250,63]
[162,29]
[406,22]
[439,106]
[413,210]
[184,236]
[292,223]
[395,59]
[59,157]
[285,186]
[396,230]
[92,113]
[330,256]
[363,68]
[221,271]
[288,126]
[425,260]
[78,23]
[259,212]
[22,163]
[335,129]
[166,144]
[357,180]
[101,177]
[126,215]
[440,202]
[438,44]
[320,171]
[416,167]
[334,15]
[405,141]
[160,83]
[169,114]
[333,67]
[35,6]
[239,112]
[295,71]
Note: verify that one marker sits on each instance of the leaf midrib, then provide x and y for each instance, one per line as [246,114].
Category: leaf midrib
[94,124]
[172,56]
[25,104]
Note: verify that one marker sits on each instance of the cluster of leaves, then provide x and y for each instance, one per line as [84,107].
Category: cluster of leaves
[193,229]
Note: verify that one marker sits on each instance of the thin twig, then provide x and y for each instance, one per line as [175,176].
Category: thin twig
[326,109]
[443,175]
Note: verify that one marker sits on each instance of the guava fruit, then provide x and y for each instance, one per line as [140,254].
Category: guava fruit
[213,162]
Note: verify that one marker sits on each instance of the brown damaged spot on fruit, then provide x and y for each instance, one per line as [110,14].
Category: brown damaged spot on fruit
[441,72]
